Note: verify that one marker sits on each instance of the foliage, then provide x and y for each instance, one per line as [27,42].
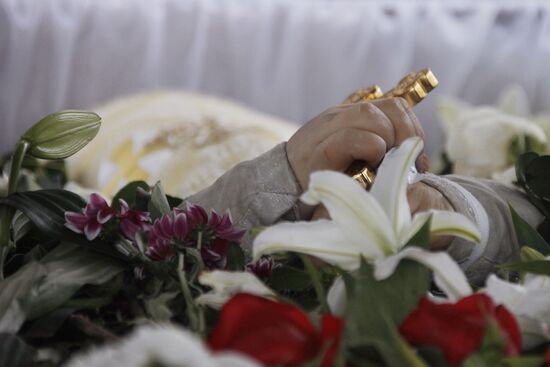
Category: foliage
[533,174]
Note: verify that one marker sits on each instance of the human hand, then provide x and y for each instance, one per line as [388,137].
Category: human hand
[421,198]
[346,133]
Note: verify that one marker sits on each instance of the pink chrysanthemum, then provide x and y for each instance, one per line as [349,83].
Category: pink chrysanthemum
[263,268]
[182,228]
[170,227]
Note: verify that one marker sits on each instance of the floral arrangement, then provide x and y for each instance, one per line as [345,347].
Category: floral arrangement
[151,280]
[503,142]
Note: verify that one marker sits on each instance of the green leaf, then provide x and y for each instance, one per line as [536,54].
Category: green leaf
[88,303]
[158,205]
[40,287]
[538,176]
[157,307]
[128,193]
[390,349]
[527,235]
[21,225]
[523,361]
[422,237]
[47,325]
[69,267]
[46,209]
[14,352]
[142,199]
[406,352]
[544,229]
[62,134]
[287,278]
[529,254]
[235,258]
[374,306]
[433,356]
[521,145]
[15,294]
[174,202]
[533,176]
[492,349]
[521,166]
[541,267]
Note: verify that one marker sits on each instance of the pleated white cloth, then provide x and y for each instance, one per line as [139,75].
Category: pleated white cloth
[289,58]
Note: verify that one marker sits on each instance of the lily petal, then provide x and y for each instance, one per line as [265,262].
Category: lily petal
[531,306]
[537,282]
[225,284]
[337,297]
[355,210]
[447,274]
[390,186]
[443,223]
[509,294]
[320,238]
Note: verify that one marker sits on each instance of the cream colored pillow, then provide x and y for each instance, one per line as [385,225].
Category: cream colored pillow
[183,139]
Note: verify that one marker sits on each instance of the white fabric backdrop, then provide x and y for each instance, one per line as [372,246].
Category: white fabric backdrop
[286,57]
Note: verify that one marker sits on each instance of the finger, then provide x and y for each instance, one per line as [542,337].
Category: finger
[363,116]
[406,125]
[404,121]
[340,149]
[423,197]
[416,198]
[320,213]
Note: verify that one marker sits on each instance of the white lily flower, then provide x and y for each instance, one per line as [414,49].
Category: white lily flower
[159,345]
[529,302]
[375,225]
[482,140]
[225,284]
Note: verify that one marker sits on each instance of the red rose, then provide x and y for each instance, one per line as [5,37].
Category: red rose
[274,333]
[458,328]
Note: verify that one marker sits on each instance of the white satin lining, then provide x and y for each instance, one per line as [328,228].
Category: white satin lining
[289,58]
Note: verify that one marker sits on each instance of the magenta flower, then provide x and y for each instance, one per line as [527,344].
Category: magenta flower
[132,221]
[182,227]
[96,213]
[263,268]
[218,232]
[169,228]
[223,227]
[196,215]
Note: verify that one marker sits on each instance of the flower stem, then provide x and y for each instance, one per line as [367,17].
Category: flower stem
[316,280]
[7,213]
[16,163]
[196,318]
[199,240]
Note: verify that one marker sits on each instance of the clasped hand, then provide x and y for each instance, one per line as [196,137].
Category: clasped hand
[363,131]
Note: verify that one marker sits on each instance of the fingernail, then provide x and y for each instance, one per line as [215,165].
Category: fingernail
[423,163]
